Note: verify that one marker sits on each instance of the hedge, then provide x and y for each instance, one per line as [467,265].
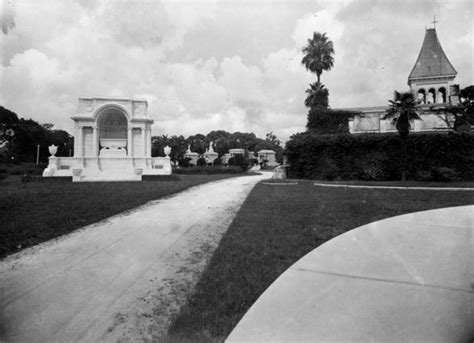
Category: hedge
[208,170]
[430,157]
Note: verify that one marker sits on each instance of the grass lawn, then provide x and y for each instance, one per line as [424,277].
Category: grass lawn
[275,227]
[31,213]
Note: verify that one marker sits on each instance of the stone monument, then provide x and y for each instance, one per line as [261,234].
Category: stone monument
[112,142]
[210,155]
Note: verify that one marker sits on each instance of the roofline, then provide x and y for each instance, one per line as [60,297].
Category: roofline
[113,98]
[422,78]
[362,109]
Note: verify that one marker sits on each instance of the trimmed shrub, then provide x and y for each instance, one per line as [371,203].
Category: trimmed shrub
[201,162]
[327,121]
[209,170]
[218,162]
[184,162]
[378,157]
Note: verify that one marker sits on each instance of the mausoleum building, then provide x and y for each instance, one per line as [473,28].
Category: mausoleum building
[430,81]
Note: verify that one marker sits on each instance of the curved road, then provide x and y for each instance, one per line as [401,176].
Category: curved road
[82,286]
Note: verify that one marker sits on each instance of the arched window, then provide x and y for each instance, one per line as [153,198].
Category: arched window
[441,96]
[421,96]
[431,96]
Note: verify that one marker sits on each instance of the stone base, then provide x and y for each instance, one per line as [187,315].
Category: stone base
[111,168]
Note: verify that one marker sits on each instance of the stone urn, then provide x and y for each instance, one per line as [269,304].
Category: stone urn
[53,149]
[167,150]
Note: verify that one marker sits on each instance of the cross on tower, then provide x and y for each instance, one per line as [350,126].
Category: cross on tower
[434,22]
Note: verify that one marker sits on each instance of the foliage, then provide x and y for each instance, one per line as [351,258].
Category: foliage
[463,112]
[402,110]
[328,121]
[318,54]
[209,170]
[380,156]
[274,228]
[177,144]
[222,141]
[239,161]
[318,96]
[201,162]
[24,136]
[218,161]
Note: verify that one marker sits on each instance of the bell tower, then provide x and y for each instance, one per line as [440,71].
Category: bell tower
[432,75]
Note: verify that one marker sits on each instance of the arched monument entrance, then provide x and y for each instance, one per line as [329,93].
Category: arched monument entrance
[112,142]
[112,125]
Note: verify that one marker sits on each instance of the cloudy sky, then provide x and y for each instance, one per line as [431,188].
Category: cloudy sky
[208,65]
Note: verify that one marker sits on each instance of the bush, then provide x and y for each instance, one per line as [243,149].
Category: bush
[379,157]
[184,162]
[209,170]
[327,121]
[445,174]
[218,162]
[201,162]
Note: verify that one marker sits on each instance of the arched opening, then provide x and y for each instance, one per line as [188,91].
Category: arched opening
[431,96]
[421,97]
[112,126]
[441,95]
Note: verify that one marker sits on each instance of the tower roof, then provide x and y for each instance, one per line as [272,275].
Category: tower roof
[432,61]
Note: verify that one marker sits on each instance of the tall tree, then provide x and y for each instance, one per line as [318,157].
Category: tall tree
[318,54]
[317,96]
[402,110]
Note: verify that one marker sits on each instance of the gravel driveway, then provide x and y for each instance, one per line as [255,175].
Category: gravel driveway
[122,279]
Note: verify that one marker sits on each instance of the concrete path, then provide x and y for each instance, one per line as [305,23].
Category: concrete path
[408,278]
[101,282]
[415,188]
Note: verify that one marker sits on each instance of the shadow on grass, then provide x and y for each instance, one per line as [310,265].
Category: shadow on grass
[275,227]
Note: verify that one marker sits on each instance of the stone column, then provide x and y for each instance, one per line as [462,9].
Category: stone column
[129,142]
[144,141]
[148,143]
[80,148]
[95,147]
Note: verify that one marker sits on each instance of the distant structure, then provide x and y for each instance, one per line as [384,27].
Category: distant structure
[210,155]
[112,142]
[268,157]
[430,81]
[191,156]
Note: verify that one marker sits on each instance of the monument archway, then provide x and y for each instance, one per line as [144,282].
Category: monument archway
[112,126]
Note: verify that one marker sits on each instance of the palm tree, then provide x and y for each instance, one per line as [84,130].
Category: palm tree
[402,110]
[317,96]
[318,54]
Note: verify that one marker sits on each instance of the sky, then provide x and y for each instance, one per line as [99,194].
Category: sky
[217,65]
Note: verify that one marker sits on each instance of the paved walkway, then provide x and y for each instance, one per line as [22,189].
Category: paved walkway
[97,283]
[408,278]
[395,187]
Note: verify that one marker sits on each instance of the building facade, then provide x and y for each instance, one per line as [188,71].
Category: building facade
[112,141]
[430,81]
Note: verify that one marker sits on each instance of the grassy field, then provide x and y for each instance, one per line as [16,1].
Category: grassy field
[275,227]
[34,212]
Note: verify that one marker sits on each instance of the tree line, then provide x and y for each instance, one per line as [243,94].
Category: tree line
[221,142]
[20,138]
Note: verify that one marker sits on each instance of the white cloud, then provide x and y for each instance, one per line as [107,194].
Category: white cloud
[211,65]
